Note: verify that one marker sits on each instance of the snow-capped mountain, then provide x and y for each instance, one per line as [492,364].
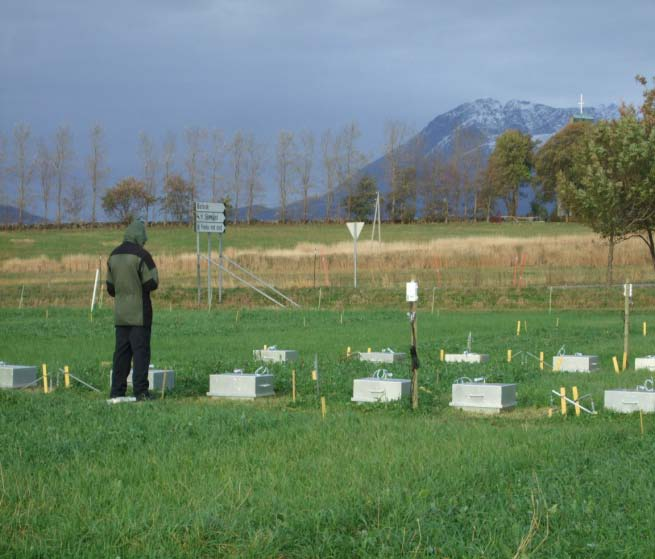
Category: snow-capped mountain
[489,118]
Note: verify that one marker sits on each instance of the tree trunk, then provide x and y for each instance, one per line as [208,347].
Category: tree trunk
[651,246]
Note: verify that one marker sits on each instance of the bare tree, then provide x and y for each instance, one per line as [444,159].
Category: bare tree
[3,158]
[329,171]
[349,161]
[96,166]
[305,164]
[237,148]
[195,162]
[62,160]
[168,156]
[395,133]
[46,174]
[149,164]
[23,166]
[74,203]
[285,156]
[254,160]
[216,157]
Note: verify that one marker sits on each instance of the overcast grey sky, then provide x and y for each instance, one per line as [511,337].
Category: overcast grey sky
[266,65]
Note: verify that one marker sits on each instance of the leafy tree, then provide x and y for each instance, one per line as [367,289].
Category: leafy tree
[561,153]
[615,192]
[511,166]
[362,201]
[178,198]
[127,199]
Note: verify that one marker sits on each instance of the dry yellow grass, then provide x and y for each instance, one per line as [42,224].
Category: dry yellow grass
[479,261]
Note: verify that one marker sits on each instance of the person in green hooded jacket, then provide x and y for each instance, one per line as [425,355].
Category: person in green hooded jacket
[131,276]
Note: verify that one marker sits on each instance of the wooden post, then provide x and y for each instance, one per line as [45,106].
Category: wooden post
[541,360]
[576,397]
[644,328]
[627,295]
[67,377]
[442,354]
[558,363]
[412,322]
[550,300]
[562,393]
[44,369]
[293,386]
[323,407]
[163,385]
[509,355]
[518,327]
[615,361]
[433,290]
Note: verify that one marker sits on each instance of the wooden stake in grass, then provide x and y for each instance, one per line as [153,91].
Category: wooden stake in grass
[644,328]
[562,393]
[293,386]
[320,294]
[44,369]
[509,355]
[236,318]
[558,363]
[627,296]
[22,291]
[518,327]
[341,319]
[576,398]
[433,291]
[67,377]
[348,352]
[641,422]
[525,326]
[163,385]
[541,360]
[616,365]
[442,354]
[625,360]
[323,407]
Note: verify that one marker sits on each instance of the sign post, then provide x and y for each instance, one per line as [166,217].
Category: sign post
[209,217]
[355,228]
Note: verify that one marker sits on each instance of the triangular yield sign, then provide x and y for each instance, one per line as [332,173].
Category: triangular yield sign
[355,228]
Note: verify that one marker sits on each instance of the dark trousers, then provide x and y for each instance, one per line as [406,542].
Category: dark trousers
[132,344]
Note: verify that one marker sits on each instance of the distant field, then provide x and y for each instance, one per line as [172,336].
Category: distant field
[175,240]
[54,268]
[194,477]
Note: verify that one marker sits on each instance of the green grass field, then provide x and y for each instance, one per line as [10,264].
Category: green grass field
[174,240]
[189,476]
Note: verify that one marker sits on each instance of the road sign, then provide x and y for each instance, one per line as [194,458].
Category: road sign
[204,227]
[210,217]
[210,207]
[355,228]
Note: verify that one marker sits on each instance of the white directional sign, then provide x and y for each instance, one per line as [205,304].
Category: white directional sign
[355,228]
[210,207]
[204,227]
[210,217]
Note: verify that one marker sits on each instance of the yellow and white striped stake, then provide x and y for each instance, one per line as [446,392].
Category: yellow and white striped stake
[442,354]
[518,327]
[509,355]
[541,360]
[562,393]
[625,360]
[644,328]
[44,369]
[323,407]
[67,377]
[293,385]
[576,397]
[558,363]
[616,365]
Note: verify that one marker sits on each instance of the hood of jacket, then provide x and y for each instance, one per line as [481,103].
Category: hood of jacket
[136,233]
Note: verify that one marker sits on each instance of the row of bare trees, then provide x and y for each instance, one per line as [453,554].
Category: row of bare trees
[235,170]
